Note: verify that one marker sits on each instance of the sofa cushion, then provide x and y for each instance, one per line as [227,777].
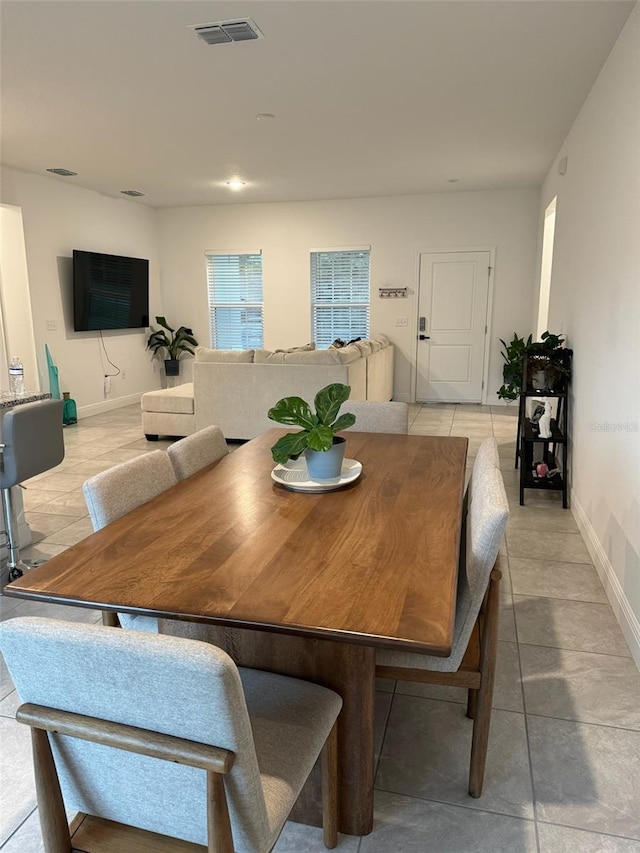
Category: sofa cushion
[235,356]
[379,341]
[365,347]
[306,348]
[319,356]
[349,353]
[176,401]
[265,356]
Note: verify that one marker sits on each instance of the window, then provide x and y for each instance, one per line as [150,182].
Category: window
[340,295]
[234,284]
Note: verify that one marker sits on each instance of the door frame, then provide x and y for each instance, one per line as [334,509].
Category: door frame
[488,316]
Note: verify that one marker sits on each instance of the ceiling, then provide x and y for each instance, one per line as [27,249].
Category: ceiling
[370,98]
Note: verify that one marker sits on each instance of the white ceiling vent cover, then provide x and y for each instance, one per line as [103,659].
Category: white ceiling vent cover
[242,29]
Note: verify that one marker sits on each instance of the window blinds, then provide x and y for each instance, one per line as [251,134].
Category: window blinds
[340,295]
[234,285]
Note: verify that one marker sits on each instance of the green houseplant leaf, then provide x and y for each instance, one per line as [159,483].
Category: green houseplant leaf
[542,355]
[293,411]
[318,429]
[328,401]
[289,446]
[180,340]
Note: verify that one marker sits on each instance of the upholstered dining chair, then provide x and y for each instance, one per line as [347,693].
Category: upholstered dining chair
[133,719]
[32,443]
[117,491]
[473,657]
[196,451]
[372,416]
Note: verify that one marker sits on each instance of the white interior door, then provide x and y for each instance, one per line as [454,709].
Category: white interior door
[452,318]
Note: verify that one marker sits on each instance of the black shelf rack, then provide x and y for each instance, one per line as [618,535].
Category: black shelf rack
[531,449]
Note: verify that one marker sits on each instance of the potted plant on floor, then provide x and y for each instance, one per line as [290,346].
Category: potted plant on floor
[317,439]
[181,340]
[513,355]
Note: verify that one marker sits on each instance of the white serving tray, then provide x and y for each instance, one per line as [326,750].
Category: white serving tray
[294,476]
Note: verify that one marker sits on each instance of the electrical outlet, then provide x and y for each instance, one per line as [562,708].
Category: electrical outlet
[123,374]
[52,326]
[402,321]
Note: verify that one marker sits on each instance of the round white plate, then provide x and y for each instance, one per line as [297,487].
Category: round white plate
[294,476]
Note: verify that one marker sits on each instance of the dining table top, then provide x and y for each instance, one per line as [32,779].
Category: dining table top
[375,562]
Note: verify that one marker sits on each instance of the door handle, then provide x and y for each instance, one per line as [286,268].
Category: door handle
[424,338]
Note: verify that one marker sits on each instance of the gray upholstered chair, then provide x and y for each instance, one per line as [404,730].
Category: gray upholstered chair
[378,417]
[32,443]
[473,656]
[117,491]
[135,718]
[196,451]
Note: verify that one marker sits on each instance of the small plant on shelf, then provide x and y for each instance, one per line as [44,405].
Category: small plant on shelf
[548,361]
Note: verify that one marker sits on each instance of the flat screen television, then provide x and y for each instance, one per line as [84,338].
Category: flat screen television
[109,292]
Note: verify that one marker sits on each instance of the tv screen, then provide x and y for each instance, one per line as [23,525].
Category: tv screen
[109,292]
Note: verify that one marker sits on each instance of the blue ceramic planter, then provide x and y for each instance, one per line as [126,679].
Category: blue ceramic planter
[326,464]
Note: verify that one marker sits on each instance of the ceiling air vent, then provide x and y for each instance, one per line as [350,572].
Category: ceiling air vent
[132,193]
[221,32]
[65,172]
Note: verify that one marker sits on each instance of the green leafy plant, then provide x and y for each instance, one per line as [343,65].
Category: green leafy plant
[513,355]
[318,428]
[541,355]
[549,357]
[181,340]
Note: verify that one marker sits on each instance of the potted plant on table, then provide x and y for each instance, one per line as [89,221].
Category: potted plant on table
[181,340]
[317,439]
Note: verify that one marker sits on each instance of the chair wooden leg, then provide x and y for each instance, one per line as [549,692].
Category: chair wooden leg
[220,839]
[472,703]
[482,717]
[329,761]
[53,819]
[481,724]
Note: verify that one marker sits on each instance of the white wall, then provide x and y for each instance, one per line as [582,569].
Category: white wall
[595,300]
[59,217]
[396,228]
[16,321]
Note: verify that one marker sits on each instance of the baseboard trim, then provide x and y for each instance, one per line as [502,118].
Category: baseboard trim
[402,398]
[627,619]
[108,405]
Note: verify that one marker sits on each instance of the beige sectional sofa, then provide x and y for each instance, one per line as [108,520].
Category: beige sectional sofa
[234,389]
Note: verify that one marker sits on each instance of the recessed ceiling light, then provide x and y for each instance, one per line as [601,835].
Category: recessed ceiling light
[132,193]
[66,173]
[236,184]
[262,116]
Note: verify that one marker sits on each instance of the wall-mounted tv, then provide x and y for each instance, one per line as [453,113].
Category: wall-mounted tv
[109,292]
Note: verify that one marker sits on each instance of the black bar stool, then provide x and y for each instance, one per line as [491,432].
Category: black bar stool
[32,443]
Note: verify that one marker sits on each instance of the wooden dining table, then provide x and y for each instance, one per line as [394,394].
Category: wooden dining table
[305,584]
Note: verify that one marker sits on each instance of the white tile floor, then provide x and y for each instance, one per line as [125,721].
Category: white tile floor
[563,772]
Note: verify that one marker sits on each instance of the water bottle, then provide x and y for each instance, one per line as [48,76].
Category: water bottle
[16,377]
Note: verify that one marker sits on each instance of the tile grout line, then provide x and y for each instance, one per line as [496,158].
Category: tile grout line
[524,709]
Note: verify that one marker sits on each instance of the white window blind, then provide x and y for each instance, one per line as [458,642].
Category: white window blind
[234,284]
[340,295]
